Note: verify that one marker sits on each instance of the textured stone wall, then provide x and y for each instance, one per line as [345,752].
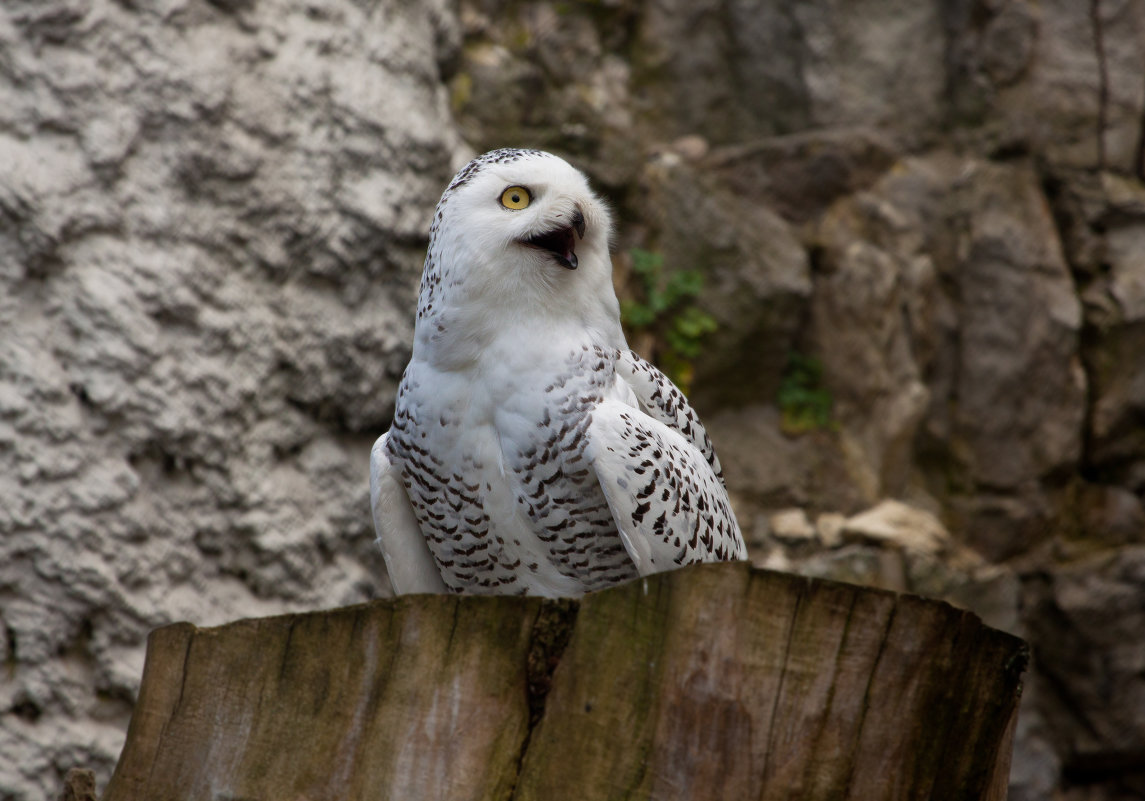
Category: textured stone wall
[211,227]
[212,219]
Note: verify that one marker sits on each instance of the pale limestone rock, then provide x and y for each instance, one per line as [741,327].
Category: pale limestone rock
[894,523]
[791,526]
[691,148]
[829,526]
[775,560]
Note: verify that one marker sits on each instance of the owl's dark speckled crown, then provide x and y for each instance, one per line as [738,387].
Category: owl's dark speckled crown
[505,155]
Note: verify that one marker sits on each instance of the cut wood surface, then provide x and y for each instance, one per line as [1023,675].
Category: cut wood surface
[712,682]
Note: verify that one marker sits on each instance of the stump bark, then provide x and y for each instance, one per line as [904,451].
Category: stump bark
[712,682]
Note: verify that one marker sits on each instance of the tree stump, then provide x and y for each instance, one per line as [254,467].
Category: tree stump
[712,682]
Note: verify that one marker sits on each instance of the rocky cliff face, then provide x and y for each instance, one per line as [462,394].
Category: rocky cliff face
[922,233]
[212,222]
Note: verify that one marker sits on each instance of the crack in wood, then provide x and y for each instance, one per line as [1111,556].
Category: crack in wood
[549,636]
[857,739]
[170,716]
[830,700]
[183,676]
[791,621]
[285,660]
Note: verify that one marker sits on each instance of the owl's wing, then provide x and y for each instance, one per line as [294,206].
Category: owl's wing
[408,560]
[660,398]
[667,501]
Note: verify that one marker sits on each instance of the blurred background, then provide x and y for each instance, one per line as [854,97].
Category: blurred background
[894,250]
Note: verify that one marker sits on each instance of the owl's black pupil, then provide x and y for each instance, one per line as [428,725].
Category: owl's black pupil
[516,198]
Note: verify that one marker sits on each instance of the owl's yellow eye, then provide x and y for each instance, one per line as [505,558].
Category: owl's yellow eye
[516,198]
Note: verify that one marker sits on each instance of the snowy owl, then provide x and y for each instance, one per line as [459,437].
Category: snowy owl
[531,451]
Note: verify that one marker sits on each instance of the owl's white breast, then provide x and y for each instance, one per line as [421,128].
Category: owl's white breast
[479,418]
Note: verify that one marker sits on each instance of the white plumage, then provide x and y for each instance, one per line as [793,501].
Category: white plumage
[532,451]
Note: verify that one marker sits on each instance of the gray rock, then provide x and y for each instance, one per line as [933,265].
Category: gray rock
[1035,771]
[792,528]
[867,565]
[1048,77]
[1103,217]
[947,323]
[873,317]
[723,39]
[212,219]
[529,74]
[1109,516]
[801,174]
[756,277]
[768,469]
[1085,621]
[1018,391]
[815,65]
[1003,525]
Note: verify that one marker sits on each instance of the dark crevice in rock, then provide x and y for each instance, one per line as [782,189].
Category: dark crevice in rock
[10,655]
[160,461]
[324,411]
[1011,150]
[1089,348]
[1139,156]
[1122,769]
[1103,80]
[1067,221]
[51,23]
[79,647]
[81,393]
[26,709]
[232,6]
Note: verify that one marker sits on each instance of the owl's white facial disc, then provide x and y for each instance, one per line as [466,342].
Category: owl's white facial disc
[522,207]
[518,234]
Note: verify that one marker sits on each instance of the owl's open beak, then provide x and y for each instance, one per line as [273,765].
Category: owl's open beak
[561,242]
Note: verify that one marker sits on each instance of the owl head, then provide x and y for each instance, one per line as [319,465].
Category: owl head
[518,234]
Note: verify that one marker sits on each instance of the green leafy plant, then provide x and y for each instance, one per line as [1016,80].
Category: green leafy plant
[804,403]
[667,316]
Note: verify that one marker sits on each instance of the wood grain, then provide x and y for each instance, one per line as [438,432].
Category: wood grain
[713,682]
